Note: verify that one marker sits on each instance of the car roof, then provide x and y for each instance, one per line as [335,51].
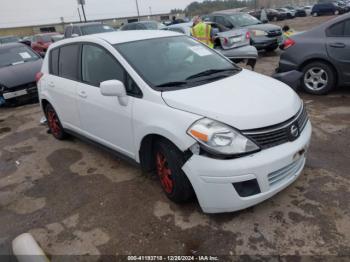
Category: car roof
[119,37]
[86,24]
[7,36]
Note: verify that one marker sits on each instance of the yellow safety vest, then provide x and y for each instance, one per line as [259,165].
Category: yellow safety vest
[202,33]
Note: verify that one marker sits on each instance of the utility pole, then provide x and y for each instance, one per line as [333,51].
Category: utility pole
[138,11]
[150,10]
[82,3]
[79,14]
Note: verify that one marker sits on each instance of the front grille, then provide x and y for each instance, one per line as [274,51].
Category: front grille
[278,134]
[274,33]
[286,172]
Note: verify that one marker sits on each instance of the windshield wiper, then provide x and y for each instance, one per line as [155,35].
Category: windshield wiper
[211,72]
[174,83]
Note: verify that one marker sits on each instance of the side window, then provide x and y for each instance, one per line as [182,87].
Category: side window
[68,32]
[347,28]
[223,21]
[68,62]
[76,30]
[98,66]
[336,30]
[54,61]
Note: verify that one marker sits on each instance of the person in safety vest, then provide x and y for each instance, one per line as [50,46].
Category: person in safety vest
[202,32]
[287,32]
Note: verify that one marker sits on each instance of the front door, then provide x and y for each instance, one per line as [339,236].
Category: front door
[338,47]
[103,118]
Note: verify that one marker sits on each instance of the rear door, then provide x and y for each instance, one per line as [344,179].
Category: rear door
[338,47]
[62,84]
[103,118]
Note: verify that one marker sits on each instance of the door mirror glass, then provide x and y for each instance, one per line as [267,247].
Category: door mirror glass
[113,88]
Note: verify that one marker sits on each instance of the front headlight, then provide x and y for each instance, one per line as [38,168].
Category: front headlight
[218,138]
[259,33]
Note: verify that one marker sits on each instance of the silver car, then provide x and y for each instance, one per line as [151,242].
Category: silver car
[234,44]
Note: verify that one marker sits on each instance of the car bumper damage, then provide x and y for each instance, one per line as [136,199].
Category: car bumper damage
[232,185]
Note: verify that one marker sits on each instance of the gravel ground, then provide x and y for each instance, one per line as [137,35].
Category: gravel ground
[77,199]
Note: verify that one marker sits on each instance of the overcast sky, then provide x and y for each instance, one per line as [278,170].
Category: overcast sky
[15,13]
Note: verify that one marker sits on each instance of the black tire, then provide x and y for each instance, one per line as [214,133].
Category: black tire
[329,72]
[271,48]
[54,123]
[181,190]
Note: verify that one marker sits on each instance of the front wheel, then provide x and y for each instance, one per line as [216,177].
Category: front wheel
[314,14]
[169,162]
[318,79]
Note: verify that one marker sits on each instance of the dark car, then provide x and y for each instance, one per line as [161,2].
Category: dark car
[81,29]
[41,42]
[9,39]
[321,54]
[326,9]
[272,14]
[263,36]
[19,65]
[300,12]
[143,25]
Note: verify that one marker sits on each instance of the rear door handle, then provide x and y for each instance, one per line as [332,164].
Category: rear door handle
[82,94]
[338,45]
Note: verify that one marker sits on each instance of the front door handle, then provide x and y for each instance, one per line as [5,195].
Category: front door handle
[338,45]
[82,94]
[51,84]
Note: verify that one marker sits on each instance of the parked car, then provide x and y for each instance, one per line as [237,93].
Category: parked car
[292,9]
[263,36]
[288,13]
[143,25]
[80,29]
[230,136]
[234,44]
[326,9]
[322,54]
[41,42]
[300,12]
[18,67]
[308,9]
[272,14]
[9,39]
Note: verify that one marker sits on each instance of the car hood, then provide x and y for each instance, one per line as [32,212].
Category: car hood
[16,75]
[245,101]
[264,27]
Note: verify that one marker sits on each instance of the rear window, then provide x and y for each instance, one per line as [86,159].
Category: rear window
[340,29]
[95,29]
[68,62]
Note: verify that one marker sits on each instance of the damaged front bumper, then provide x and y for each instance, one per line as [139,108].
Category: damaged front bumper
[291,78]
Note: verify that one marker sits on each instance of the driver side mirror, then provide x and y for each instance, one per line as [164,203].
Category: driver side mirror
[114,88]
[75,35]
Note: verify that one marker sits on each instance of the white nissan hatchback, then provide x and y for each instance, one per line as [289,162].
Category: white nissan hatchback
[228,136]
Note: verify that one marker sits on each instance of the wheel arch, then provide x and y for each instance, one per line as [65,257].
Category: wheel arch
[146,147]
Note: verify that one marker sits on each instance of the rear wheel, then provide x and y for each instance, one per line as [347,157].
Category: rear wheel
[319,78]
[54,123]
[336,12]
[169,161]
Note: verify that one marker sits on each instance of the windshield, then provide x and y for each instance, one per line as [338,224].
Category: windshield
[95,29]
[241,20]
[153,25]
[175,62]
[16,55]
[11,39]
[45,38]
